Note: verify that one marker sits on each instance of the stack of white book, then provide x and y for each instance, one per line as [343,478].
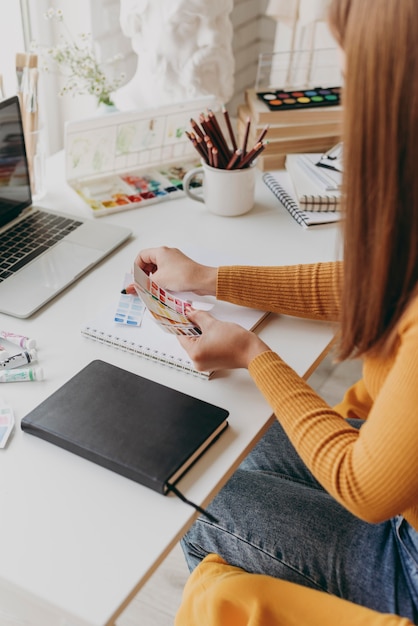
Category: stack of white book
[297,131]
[317,188]
[311,193]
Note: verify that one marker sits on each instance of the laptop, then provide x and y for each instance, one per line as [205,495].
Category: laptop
[41,251]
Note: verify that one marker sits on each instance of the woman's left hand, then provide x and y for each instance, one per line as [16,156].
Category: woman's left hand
[222,345]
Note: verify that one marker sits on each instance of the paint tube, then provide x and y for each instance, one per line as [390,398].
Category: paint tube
[21,375]
[19,340]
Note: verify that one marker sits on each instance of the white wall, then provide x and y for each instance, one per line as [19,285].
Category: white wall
[254,33]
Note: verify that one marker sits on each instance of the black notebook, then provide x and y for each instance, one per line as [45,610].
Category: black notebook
[136,427]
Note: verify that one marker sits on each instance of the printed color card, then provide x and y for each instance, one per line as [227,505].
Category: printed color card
[167,309]
[130,309]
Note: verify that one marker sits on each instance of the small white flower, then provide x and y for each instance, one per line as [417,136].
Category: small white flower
[77,59]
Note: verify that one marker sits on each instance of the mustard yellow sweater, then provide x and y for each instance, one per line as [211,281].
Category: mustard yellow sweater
[372,472]
[218,594]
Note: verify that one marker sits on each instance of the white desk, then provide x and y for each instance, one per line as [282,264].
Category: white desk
[78,541]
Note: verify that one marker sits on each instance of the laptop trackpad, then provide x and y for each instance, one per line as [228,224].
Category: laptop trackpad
[41,279]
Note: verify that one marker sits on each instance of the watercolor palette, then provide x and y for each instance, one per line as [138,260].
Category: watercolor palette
[281,100]
[126,160]
[132,189]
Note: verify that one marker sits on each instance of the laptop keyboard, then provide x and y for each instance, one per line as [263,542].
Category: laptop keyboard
[30,238]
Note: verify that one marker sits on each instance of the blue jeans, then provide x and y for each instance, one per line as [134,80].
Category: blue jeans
[276,519]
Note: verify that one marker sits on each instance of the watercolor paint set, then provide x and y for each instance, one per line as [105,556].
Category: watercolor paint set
[132,189]
[127,160]
[282,100]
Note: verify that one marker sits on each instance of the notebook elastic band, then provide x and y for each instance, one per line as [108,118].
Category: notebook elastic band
[178,493]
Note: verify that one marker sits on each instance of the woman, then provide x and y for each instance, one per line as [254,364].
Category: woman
[325,503]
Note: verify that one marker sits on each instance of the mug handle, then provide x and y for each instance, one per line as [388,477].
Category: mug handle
[188,179]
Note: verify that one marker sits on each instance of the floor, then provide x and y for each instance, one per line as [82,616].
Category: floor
[157,602]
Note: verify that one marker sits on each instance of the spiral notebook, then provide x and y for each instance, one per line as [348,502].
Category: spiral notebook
[148,340]
[280,183]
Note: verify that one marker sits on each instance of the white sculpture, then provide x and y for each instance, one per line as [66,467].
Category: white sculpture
[184,50]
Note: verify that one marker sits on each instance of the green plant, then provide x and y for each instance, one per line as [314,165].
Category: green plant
[77,61]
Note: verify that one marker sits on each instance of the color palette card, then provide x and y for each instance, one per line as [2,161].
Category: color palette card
[168,309]
[281,100]
[130,309]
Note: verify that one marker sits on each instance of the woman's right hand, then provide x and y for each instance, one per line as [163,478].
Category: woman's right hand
[173,270]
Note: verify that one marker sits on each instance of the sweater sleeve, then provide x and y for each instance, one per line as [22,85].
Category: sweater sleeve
[373,472]
[217,594]
[310,291]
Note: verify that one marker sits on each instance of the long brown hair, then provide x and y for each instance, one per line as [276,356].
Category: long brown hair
[380,134]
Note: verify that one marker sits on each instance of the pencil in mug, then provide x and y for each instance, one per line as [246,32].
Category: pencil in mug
[196,128]
[252,154]
[215,139]
[209,141]
[198,146]
[263,133]
[229,126]
[234,159]
[245,139]
[222,141]
[212,129]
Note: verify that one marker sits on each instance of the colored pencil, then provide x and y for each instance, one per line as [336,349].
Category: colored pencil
[196,128]
[252,155]
[211,144]
[215,159]
[262,134]
[245,139]
[222,141]
[235,159]
[229,126]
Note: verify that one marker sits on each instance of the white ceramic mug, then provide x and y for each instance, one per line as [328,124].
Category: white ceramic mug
[225,192]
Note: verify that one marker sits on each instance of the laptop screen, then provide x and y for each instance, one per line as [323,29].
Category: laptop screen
[15,192]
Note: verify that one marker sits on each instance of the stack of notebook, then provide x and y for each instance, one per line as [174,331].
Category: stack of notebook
[311,193]
[313,129]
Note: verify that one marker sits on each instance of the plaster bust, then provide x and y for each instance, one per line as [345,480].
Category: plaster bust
[184,50]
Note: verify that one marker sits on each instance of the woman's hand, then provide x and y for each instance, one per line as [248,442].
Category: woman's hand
[222,345]
[173,270]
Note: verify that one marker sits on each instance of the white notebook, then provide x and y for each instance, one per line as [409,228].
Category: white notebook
[280,184]
[316,188]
